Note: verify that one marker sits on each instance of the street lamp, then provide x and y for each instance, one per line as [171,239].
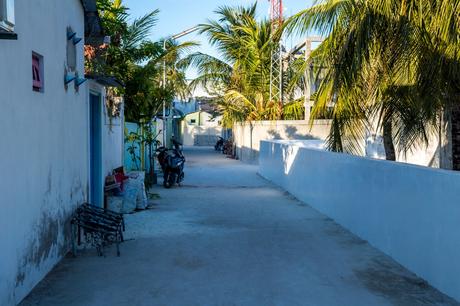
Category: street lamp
[173,37]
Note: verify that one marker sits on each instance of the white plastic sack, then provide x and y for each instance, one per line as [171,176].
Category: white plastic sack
[138,178]
[115,204]
[130,196]
[141,201]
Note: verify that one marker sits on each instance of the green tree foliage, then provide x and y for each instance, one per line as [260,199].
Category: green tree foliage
[137,61]
[394,61]
[240,78]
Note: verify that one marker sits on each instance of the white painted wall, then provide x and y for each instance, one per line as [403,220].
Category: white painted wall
[204,131]
[409,212]
[421,154]
[247,136]
[112,145]
[43,153]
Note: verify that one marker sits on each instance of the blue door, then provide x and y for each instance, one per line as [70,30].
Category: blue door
[96,197]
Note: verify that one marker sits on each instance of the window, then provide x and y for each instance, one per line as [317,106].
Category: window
[7,14]
[192,121]
[37,72]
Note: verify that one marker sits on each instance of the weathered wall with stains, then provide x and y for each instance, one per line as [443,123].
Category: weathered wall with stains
[43,155]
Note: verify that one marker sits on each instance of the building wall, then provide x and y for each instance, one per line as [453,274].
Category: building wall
[186,107]
[112,144]
[247,136]
[129,164]
[44,160]
[200,129]
[409,212]
[112,135]
[144,163]
[424,155]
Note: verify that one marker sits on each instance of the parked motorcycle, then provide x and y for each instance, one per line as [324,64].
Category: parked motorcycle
[172,163]
[228,147]
[219,146]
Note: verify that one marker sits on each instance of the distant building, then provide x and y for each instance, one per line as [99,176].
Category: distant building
[201,129]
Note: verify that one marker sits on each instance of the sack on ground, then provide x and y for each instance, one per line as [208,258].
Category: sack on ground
[115,204]
[130,196]
[138,177]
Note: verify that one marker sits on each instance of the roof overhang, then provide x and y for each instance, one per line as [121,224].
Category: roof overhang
[106,81]
[94,33]
[176,114]
[89,5]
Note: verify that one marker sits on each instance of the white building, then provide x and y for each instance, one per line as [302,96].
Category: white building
[55,137]
[201,129]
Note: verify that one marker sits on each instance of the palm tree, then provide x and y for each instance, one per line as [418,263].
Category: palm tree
[240,78]
[391,61]
[130,44]
[178,57]
[125,59]
[145,92]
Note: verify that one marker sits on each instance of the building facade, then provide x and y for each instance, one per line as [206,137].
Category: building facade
[201,129]
[53,136]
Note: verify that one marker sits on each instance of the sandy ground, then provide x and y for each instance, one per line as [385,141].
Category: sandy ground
[228,237]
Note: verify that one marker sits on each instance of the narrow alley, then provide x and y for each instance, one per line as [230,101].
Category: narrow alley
[228,237]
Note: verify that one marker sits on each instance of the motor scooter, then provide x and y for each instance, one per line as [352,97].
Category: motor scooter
[172,162]
[219,146]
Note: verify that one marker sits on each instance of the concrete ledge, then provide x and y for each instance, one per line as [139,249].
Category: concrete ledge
[409,212]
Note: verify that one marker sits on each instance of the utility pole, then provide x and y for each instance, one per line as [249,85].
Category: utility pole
[167,121]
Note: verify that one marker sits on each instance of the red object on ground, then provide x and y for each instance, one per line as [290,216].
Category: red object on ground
[120,177]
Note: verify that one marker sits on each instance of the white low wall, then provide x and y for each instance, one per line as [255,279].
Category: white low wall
[411,213]
[247,135]
[200,135]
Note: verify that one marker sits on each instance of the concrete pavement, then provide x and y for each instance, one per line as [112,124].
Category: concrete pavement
[228,237]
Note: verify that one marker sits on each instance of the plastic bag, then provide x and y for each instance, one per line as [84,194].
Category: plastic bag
[130,196]
[138,178]
[115,204]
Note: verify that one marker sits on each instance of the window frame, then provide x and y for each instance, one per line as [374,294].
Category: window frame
[7,15]
[71,54]
[38,84]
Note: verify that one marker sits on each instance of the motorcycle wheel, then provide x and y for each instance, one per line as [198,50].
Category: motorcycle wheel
[180,178]
[172,179]
[167,181]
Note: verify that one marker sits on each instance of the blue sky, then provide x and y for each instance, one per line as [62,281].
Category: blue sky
[178,15]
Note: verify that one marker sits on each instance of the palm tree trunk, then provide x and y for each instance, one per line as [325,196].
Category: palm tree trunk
[445,139]
[390,152]
[455,137]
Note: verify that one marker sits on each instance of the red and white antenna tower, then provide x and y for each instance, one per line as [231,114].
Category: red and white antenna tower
[276,13]
[276,69]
